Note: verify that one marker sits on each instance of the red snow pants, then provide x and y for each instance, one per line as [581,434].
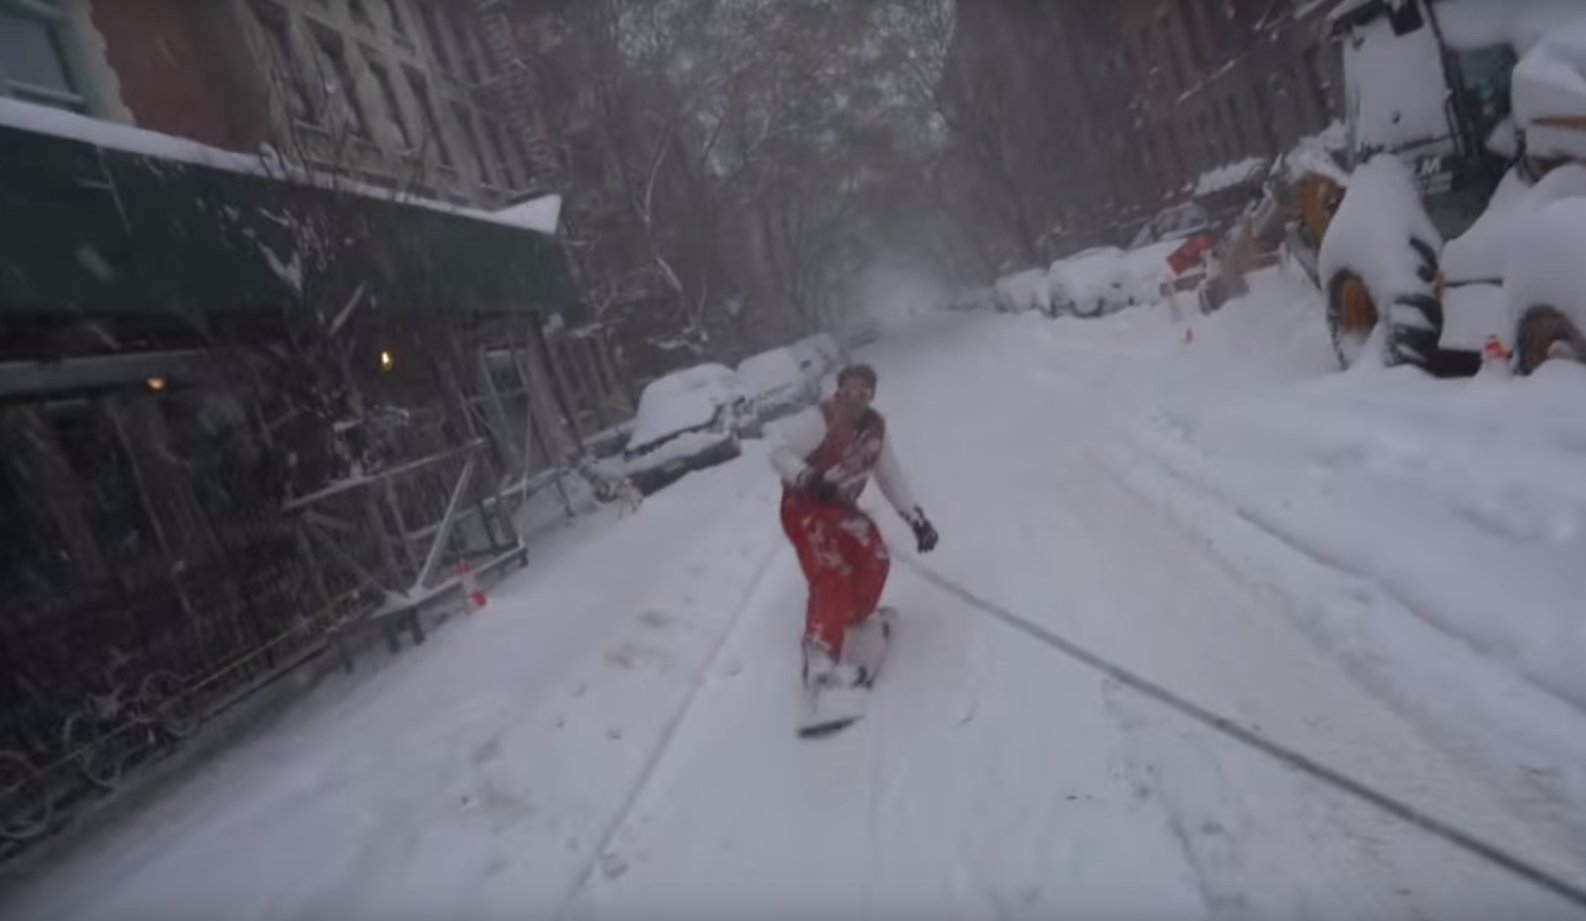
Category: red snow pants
[845,563]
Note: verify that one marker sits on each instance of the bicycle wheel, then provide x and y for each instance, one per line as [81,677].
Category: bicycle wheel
[164,702]
[96,751]
[26,800]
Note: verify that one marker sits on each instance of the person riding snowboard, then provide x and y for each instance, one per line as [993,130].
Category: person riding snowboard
[825,458]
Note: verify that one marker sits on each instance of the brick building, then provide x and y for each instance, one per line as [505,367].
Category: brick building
[1222,81]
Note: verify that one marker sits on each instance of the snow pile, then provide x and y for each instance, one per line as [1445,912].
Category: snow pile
[1550,93]
[1547,266]
[1371,233]
[1229,175]
[1511,236]
[1023,291]
[683,400]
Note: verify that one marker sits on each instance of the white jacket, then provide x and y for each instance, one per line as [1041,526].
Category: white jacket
[800,435]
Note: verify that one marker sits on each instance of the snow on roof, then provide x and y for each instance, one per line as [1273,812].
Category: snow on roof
[542,214]
[1470,24]
[39,119]
[1549,89]
[1229,175]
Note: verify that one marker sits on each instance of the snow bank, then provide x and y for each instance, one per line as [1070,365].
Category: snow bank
[1025,290]
[1547,263]
[1371,233]
[680,401]
[1229,175]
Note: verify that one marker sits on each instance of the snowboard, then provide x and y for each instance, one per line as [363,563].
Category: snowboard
[828,711]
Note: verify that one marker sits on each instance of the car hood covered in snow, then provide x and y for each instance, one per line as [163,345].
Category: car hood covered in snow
[681,402]
[770,374]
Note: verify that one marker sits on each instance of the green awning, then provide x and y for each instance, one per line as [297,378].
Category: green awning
[91,229]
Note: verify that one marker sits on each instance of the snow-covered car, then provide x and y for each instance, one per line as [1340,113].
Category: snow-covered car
[1179,222]
[1022,291]
[969,299]
[687,420]
[1091,284]
[819,355]
[777,384]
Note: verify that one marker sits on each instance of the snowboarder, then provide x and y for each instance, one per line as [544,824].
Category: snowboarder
[825,458]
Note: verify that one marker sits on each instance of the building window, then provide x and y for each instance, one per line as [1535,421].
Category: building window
[421,92]
[467,44]
[525,162]
[33,60]
[499,148]
[1321,83]
[432,34]
[338,83]
[286,77]
[382,80]
[1237,125]
[471,133]
[1189,14]
[398,24]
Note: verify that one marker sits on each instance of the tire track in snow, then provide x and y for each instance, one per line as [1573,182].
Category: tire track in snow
[668,736]
[1445,724]
[1488,853]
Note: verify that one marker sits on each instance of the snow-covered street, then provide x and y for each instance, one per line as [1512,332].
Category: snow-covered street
[1375,570]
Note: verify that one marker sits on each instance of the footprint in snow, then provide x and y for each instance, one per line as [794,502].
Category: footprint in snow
[613,865]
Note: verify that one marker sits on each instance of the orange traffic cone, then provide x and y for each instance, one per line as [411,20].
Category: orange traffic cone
[471,590]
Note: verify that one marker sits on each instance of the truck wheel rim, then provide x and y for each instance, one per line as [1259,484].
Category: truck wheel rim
[1357,314]
[1549,334]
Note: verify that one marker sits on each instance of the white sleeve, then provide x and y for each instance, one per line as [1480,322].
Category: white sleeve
[797,438]
[889,476]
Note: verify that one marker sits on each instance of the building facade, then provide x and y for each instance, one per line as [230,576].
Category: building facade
[1223,81]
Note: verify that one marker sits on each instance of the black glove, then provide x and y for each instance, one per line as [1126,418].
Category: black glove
[925,536]
[817,487]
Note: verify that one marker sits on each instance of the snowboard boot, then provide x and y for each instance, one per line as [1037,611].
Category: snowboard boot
[822,672]
[866,645]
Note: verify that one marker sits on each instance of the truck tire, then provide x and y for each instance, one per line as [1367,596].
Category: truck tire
[1543,333]
[1414,319]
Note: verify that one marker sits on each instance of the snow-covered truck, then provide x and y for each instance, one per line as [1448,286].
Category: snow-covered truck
[1464,125]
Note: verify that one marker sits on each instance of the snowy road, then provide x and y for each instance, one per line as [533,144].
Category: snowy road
[612,737]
